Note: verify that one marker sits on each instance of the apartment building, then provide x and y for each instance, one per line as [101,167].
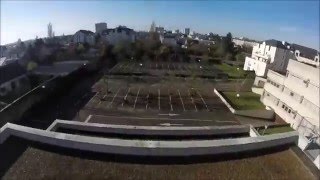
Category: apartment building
[119,34]
[244,42]
[270,54]
[100,27]
[84,36]
[295,97]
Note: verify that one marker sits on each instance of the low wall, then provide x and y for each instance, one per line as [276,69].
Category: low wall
[147,147]
[261,114]
[253,132]
[150,130]
[257,90]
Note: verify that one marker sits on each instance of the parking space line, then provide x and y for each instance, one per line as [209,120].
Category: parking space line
[125,97]
[193,101]
[181,100]
[170,101]
[93,97]
[113,98]
[134,106]
[159,98]
[148,99]
[203,100]
[104,96]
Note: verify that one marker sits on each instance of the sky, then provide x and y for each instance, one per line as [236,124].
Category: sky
[291,21]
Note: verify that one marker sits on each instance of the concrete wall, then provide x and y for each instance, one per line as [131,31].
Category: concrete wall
[262,114]
[150,130]
[147,147]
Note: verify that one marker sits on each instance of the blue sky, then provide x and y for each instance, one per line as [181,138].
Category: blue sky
[292,21]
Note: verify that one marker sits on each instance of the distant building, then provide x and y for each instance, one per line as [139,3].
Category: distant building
[119,34]
[84,36]
[160,30]
[187,31]
[169,39]
[295,97]
[244,42]
[11,77]
[50,31]
[177,31]
[153,27]
[100,27]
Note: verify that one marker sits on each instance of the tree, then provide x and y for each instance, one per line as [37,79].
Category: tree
[38,43]
[240,57]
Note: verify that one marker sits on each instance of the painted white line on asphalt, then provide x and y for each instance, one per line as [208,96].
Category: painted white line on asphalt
[109,105]
[93,97]
[192,101]
[181,100]
[134,106]
[157,118]
[159,99]
[104,96]
[125,98]
[203,100]
[170,101]
[148,99]
[88,118]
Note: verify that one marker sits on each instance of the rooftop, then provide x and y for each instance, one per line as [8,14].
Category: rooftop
[11,71]
[24,160]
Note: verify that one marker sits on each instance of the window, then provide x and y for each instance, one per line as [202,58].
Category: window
[286,108]
[291,94]
[289,111]
[297,54]
[283,106]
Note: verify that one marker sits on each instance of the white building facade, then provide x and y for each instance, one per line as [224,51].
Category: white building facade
[242,42]
[271,54]
[295,97]
[118,35]
[84,36]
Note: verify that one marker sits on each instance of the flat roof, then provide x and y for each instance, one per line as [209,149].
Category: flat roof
[60,68]
[21,159]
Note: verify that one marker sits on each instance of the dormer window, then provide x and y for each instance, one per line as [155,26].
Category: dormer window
[297,54]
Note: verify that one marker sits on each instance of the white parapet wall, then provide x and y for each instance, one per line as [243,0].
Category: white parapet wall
[148,147]
[149,130]
[256,113]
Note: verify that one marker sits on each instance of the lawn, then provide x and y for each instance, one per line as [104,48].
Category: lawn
[275,130]
[232,71]
[246,101]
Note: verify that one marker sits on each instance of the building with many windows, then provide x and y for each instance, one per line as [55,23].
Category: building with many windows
[295,97]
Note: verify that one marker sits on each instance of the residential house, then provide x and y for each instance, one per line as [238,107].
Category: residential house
[11,77]
[119,34]
[84,36]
